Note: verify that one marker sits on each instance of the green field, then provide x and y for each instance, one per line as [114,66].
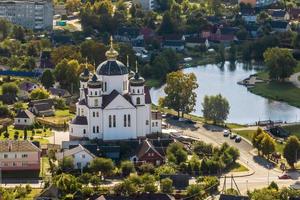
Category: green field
[279,91]
[237,167]
[293,129]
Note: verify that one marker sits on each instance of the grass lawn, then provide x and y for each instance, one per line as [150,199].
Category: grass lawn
[237,167]
[37,136]
[59,119]
[279,91]
[44,166]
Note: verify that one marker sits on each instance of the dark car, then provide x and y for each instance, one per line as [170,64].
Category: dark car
[238,139]
[284,176]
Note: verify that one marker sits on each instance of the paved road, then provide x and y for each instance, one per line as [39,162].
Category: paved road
[294,79]
[263,170]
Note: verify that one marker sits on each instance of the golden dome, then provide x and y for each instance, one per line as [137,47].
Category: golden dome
[111,53]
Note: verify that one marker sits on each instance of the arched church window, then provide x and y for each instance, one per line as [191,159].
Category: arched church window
[96,102]
[84,131]
[129,120]
[94,129]
[96,93]
[133,91]
[125,120]
[138,100]
[114,120]
[138,91]
[105,86]
[97,114]
[97,129]
[109,121]
[147,122]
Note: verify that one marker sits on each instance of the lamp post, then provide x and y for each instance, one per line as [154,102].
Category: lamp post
[268,174]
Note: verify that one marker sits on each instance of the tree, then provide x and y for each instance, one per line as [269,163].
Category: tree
[296,41]
[180,94]
[39,93]
[146,168]
[255,141]
[66,73]
[32,50]
[66,164]
[165,170]
[47,79]
[65,52]
[4,28]
[29,63]
[268,145]
[19,33]
[66,183]
[196,191]
[103,165]
[167,25]
[148,182]
[166,186]
[280,63]
[73,5]
[290,150]
[215,108]
[93,51]
[127,167]
[176,153]
[10,88]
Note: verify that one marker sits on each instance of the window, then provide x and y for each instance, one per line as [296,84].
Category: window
[96,93]
[94,114]
[97,129]
[147,122]
[24,155]
[18,120]
[96,102]
[5,156]
[152,124]
[114,120]
[14,164]
[109,121]
[97,114]
[138,100]
[94,129]
[105,86]
[83,156]
[84,131]
[71,130]
[16,156]
[125,121]
[25,120]
[133,91]
[129,121]
[138,91]
[156,123]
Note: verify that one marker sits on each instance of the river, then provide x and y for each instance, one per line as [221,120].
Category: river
[245,107]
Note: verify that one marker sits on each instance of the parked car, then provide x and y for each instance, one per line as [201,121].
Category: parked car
[296,185]
[238,139]
[284,176]
[226,133]
[232,136]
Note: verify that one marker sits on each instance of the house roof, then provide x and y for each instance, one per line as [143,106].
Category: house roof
[173,43]
[279,24]
[107,99]
[73,151]
[42,107]
[18,146]
[195,40]
[27,86]
[80,120]
[24,114]
[147,95]
[278,13]
[59,92]
[145,147]
[46,101]
[82,102]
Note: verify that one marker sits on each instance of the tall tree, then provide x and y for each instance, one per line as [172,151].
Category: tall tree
[268,145]
[10,88]
[39,93]
[215,108]
[47,79]
[280,63]
[93,51]
[167,25]
[180,94]
[103,165]
[176,153]
[66,73]
[291,150]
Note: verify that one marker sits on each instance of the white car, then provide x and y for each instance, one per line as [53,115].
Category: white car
[226,133]
[296,185]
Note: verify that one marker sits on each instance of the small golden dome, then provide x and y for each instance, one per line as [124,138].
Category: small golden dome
[111,53]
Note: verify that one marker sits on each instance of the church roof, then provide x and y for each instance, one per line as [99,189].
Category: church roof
[94,83]
[107,99]
[112,67]
[80,120]
[147,96]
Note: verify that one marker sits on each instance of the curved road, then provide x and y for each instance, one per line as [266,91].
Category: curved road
[262,172]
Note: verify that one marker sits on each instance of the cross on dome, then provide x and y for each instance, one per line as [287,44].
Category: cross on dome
[111,54]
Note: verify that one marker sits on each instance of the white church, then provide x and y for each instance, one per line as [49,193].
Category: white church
[114,104]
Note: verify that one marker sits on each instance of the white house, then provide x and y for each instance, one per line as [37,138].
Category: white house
[81,156]
[113,105]
[24,118]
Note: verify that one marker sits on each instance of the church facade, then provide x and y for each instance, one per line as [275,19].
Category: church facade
[114,104]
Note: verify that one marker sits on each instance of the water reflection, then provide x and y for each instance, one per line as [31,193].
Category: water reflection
[245,107]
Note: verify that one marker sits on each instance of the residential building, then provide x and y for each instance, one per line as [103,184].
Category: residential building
[146,4]
[31,14]
[278,14]
[43,107]
[58,92]
[280,26]
[175,42]
[81,156]
[114,103]
[19,155]
[258,3]
[24,118]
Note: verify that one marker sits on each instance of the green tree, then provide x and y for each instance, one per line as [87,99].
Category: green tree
[47,79]
[66,183]
[215,108]
[268,145]
[10,88]
[180,94]
[296,41]
[165,170]
[167,25]
[84,178]
[166,186]
[146,168]
[127,167]
[255,141]
[149,185]
[66,164]
[176,153]
[290,150]
[93,51]
[39,93]
[66,73]
[103,165]
[32,50]
[65,52]
[29,63]
[4,28]
[280,63]
[19,33]
[196,191]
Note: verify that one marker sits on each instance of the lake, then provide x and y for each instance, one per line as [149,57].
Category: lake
[245,107]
